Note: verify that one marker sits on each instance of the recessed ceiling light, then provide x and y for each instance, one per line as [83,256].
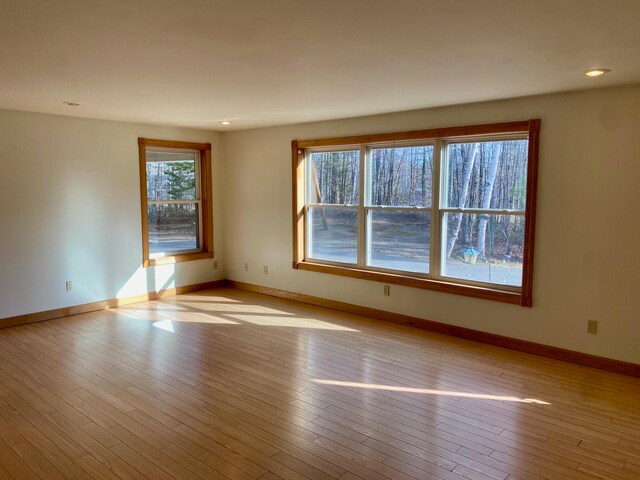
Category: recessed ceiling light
[226,122]
[596,72]
[71,104]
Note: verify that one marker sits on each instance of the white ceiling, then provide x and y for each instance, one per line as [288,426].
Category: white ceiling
[268,62]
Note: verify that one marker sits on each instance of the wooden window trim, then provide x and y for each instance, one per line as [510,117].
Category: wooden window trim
[206,201]
[522,297]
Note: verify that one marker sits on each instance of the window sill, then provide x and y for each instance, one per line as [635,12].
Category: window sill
[514,298]
[187,257]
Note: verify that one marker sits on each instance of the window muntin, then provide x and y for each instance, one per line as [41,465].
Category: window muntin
[505,215]
[175,192]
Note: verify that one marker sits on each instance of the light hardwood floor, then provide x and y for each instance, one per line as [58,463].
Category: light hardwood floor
[231,384]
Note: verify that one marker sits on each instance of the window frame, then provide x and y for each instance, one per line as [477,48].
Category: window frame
[203,198]
[439,138]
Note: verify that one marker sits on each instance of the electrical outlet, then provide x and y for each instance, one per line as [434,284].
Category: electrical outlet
[592,326]
[387,290]
[265,269]
[69,286]
[215,264]
[246,267]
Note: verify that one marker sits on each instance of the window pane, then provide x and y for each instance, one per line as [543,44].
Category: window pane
[400,240]
[335,177]
[173,228]
[334,234]
[171,176]
[484,248]
[487,175]
[401,176]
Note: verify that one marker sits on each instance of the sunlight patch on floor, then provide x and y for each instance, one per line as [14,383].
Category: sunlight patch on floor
[220,307]
[292,322]
[426,391]
[204,298]
[166,325]
[154,307]
[191,318]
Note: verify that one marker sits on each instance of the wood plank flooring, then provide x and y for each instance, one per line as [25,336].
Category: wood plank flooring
[231,384]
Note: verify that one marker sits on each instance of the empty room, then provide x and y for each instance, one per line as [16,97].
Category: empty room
[313,240]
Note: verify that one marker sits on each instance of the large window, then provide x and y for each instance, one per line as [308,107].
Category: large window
[175,186]
[447,209]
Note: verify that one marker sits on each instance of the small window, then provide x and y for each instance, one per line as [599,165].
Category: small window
[175,184]
[449,209]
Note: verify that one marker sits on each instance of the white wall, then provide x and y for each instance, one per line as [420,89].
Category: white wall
[587,256]
[70,210]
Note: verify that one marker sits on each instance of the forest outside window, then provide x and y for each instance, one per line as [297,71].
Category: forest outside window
[449,209]
[175,186]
